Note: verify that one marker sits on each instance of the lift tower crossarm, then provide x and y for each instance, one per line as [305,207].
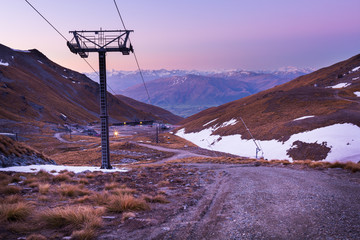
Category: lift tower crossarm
[101,41]
[84,42]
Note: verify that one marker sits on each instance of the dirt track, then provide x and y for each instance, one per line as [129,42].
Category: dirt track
[248,202]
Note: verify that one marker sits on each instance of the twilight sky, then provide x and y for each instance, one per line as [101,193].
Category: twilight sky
[193,34]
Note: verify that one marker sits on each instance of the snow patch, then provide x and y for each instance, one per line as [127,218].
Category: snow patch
[340,85]
[64,76]
[24,51]
[355,69]
[55,169]
[343,139]
[210,122]
[40,61]
[304,117]
[3,63]
[228,123]
[357,94]
[356,78]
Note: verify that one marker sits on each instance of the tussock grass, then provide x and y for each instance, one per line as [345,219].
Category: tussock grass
[163,183]
[4,176]
[112,185]
[43,198]
[31,182]
[70,190]
[74,217]
[83,199]
[126,202]
[36,237]
[44,188]
[43,176]
[127,215]
[156,199]
[12,199]
[84,234]
[100,198]
[84,181]
[123,191]
[15,211]
[10,189]
[353,167]
[63,177]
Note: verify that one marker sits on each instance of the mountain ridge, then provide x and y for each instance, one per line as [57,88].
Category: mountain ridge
[188,94]
[325,97]
[35,89]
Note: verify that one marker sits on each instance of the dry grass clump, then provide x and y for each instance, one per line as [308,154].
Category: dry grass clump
[127,215]
[156,199]
[112,185]
[70,190]
[43,176]
[36,237]
[4,177]
[73,217]
[44,188]
[84,234]
[163,183]
[63,177]
[83,181]
[123,191]
[283,162]
[121,203]
[31,182]
[10,189]
[15,211]
[100,198]
[353,167]
[12,199]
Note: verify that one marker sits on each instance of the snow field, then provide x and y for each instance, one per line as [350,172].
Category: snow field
[55,169]
[343,139]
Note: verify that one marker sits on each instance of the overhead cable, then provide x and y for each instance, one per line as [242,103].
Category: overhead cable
[136,59]
[65,40]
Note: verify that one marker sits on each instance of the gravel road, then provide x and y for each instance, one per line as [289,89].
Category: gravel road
[248,202]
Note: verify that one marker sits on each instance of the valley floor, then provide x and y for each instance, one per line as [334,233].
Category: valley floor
[185,193]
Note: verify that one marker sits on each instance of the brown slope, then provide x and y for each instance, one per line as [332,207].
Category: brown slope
[167,116]
[33,88]
[270,114]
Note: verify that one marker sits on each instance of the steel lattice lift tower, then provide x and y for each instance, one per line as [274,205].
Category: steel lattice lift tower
[101,41]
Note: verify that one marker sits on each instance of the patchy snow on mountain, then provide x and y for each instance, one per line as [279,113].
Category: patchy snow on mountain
[304,117]
[355,69]
[3,63]
[55,169]
[228,123]
[209,122]
[357,94]
[340,85]
[23,51]
[343,139]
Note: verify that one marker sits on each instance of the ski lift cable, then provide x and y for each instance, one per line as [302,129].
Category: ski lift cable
[47,20]
[32,6]
[136,59]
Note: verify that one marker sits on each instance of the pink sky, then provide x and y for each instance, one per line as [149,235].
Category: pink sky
[194,34]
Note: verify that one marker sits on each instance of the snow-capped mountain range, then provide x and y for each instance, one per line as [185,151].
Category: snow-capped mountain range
[188,92]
